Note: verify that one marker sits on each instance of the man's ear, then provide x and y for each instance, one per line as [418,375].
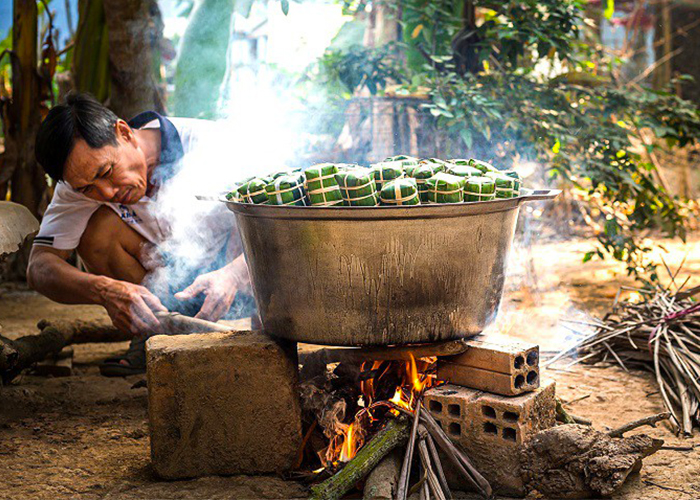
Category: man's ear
[124,131]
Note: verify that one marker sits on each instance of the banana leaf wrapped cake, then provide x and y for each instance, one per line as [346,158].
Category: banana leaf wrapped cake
[385,172]
[459,161]
[286,190]
[479,189]
[253,191]
[436,161]
[358,187]
[400,192]
[321,187]
[408,163]
[516,185]
[398,180]
[505,186]
[445,188]
[463,170]
[483,166]
[422,174]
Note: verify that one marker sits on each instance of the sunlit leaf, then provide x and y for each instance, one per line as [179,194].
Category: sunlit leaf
[243,7]
[285,7]
[609,9]
[416,31]
[556,147]
[466,137]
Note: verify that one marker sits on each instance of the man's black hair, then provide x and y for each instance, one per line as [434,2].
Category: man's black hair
[81,116]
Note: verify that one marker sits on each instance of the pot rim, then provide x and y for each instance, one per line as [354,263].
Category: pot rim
[444,210]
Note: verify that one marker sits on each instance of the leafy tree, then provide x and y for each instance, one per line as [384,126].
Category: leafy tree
[524,86]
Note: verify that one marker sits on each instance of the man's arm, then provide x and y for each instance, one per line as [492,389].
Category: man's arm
[129,306]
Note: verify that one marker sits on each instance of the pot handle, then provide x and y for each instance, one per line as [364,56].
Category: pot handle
[540,194]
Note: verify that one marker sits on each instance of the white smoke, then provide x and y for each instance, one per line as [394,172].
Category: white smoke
[258,133]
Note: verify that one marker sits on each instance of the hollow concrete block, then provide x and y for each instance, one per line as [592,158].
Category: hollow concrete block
[496,363]
[222,403]
[492,429]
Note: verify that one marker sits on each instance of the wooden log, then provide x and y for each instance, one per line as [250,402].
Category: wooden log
[173,322]
[86,332]
[56,365]
[325,406]
[394,434]
[382,482]
[396,353]
[8,354]
[16,355]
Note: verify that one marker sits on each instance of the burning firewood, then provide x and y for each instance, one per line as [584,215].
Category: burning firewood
[394,434]
[659,332]
[386,387]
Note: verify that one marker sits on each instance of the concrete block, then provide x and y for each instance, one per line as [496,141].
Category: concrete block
[486,380]
[222,403]
[498,353]
[492,429]
[497,364]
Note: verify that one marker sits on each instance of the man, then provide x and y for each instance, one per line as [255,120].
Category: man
[109,174]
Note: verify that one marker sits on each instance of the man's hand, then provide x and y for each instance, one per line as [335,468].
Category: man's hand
[219,287]
[131,307]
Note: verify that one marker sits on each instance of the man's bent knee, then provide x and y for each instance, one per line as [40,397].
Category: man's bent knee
[109,247]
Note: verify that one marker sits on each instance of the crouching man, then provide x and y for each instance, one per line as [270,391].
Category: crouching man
[108,175]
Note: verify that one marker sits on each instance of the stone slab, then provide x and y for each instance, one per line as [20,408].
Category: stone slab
[222,403]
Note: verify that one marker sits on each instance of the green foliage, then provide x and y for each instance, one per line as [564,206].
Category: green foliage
[582,125]
[201,66]
[359,67]
[519,27]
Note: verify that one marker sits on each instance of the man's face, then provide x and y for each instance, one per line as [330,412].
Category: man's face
[116,174]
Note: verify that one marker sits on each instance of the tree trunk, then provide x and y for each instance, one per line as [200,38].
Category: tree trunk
[20,174]
[135,31]
[27,180]
[685,24]
[201,67]
[91,52]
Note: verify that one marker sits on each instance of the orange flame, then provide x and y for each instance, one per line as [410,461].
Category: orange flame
[350,438]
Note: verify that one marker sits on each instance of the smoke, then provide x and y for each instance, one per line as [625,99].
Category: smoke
[259,131]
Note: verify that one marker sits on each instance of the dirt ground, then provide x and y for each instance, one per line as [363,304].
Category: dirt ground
[86,436]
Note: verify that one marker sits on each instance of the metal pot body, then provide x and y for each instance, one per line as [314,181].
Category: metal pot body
[357,276]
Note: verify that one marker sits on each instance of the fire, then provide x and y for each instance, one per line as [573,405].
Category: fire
[413,381]
[349,447]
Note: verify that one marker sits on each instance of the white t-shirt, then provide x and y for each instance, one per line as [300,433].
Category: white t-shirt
[67,215]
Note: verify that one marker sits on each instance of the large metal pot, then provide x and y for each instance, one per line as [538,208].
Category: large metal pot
[379,275]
